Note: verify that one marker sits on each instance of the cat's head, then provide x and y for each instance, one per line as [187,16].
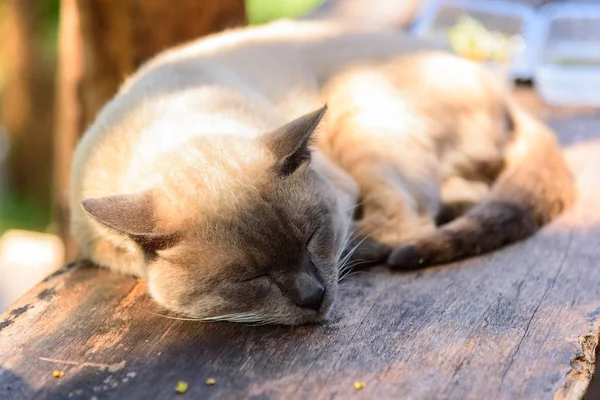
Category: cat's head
[252,236]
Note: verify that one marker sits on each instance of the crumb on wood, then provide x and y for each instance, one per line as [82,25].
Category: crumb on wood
[181,387]
[359,385]
[57,374]
[211,381]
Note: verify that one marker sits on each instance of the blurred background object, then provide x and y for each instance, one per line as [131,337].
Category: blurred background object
[555,44]
[27,72]
[26,257]
[498,33]
[263,11]
[368,12]
[568,70]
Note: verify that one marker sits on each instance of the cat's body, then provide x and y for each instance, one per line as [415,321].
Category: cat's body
[190,179]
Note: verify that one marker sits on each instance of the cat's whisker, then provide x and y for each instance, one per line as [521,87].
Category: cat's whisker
[352,273]
[239,317]
[351,252]
[257,323]
[268,320]
[349,238]
[263,322]
[245,317]
[341,249]
[360,203]
[344,273]
[357,263]
[172,317]
[344,264]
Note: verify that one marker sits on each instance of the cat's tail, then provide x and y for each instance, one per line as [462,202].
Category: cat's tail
[534,187]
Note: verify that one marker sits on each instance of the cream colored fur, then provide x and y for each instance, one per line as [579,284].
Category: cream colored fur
[243,82]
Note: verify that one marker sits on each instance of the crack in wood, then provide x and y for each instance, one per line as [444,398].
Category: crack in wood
[101,366]
[356,331]
[560,267]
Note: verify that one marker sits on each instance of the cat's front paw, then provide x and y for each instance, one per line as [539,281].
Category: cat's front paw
[406,257]
[366,251]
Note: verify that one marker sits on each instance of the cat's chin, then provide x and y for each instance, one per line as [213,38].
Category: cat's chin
[278,311]
[290,316]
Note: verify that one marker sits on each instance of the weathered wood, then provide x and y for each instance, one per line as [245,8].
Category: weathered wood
[101,43]
[521,323]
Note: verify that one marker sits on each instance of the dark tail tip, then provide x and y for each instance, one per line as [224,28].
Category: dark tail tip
[485,228]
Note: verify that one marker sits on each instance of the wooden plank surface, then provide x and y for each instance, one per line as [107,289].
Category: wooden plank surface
[518,323]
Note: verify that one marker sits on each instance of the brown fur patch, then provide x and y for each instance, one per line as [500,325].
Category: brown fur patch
[535,187]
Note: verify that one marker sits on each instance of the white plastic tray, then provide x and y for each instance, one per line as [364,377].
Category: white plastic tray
[568,54]
[508,17]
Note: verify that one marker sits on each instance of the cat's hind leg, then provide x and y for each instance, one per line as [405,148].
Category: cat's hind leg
[459,196]
[390,212]
[387,217]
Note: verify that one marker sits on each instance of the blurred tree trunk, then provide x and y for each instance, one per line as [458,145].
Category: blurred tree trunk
[26,99]
[69,122]
[103,41]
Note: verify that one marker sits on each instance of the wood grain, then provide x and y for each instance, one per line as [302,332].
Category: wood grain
[518,323]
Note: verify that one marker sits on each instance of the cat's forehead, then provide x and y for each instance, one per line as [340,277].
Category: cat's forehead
[255,236]
[230,200]
[257,216]
[205,165]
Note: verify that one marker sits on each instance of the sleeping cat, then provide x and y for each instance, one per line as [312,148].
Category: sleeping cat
[218,174]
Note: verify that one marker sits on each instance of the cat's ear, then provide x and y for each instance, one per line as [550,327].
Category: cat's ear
[132,215]
[290,142]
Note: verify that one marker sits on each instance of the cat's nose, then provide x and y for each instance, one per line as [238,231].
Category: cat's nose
[307,291]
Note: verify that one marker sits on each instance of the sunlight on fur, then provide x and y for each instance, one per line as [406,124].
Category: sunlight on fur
[245,174]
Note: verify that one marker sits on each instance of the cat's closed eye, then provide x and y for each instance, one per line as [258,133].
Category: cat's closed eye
[256,277]
[320,239]
[311,237]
